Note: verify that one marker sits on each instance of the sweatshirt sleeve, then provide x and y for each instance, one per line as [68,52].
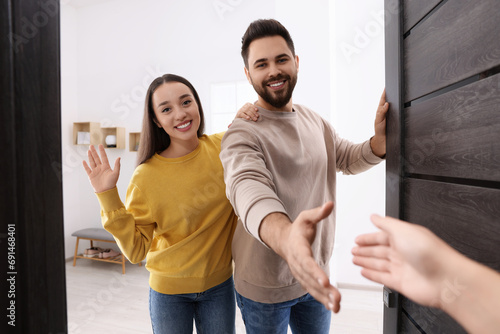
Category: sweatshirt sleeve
[249,184]
[132,228]
[352,158]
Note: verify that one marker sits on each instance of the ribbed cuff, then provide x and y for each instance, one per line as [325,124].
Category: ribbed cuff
[258,212]
[368,154]
[110,200]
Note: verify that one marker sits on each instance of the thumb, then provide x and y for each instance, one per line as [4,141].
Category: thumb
[326,209]
[317,214]
[387,224]
[117,165]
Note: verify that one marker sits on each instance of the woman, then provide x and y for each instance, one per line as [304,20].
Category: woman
[176,211]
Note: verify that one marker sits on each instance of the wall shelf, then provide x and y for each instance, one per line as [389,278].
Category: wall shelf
[119,134]
[133,141]
[91,133]
[87,133]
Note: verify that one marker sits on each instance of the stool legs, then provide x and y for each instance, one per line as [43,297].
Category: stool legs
[76,251]
[123,260]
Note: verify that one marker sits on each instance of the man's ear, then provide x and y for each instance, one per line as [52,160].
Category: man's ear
[247,73]
[297,62]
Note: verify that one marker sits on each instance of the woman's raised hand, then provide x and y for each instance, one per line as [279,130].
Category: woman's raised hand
[100,174]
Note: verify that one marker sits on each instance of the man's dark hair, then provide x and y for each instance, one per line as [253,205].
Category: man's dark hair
[264,28]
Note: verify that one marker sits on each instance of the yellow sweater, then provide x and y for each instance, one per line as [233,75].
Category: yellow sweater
[178,215]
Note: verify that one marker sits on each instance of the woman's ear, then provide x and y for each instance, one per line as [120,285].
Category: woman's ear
[157,123]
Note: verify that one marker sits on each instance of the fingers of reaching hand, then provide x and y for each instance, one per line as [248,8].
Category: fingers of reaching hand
[380,263]
[372,239]
[377,276]
[378,252]
[316,282]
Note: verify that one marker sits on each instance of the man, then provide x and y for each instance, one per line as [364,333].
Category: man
[275,168]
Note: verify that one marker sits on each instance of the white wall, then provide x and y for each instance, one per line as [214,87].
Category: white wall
[111,50]
[308,24]
[358,81]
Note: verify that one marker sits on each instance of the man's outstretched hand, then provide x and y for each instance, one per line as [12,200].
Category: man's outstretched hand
[292,241]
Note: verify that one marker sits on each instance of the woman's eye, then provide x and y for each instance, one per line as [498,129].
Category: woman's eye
[186,103]
[166,110]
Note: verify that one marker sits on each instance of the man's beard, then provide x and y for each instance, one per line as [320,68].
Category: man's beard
[278,99]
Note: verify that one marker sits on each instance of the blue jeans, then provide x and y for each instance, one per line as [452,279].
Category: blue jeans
[305,315]
[213,311]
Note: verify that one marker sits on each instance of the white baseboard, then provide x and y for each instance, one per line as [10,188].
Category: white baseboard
[342,285]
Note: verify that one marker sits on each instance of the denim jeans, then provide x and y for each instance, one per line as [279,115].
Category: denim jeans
[212,310]
[304,314]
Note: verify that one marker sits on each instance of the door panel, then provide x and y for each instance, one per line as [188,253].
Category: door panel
[456,134]
[407,326]
[430,320]
[466,217]
[416,11]
[459,40]
[443,135]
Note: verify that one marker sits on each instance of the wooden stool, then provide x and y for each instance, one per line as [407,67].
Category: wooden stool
[97,234]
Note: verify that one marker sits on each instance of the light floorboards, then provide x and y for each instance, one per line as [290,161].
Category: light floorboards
[102,300]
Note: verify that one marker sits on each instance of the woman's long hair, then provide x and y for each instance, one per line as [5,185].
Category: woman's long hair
[154,139]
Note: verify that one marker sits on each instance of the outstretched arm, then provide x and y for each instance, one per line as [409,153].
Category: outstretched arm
[292,241]
[412,260]
[378,141]
[100,174]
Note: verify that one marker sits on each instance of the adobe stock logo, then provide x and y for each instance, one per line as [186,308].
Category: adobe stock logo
[30,26]
[223,6]
[363,37]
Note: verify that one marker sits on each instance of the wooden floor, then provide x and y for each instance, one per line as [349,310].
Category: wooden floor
[102,300]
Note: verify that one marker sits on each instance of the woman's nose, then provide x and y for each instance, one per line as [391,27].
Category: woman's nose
[180,114]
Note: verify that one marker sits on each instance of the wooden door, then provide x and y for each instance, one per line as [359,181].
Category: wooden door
[443,158]
[32,274]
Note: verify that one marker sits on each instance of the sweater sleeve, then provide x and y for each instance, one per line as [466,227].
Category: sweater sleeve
[132,228]
[249,184]
[352,158]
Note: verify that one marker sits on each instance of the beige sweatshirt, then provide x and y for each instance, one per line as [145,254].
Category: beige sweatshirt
[285,162]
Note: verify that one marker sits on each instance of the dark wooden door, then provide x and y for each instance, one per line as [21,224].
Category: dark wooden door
[32,275]
[443,158]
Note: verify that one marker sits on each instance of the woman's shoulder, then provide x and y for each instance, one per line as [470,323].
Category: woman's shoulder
[146,168]
[213,139]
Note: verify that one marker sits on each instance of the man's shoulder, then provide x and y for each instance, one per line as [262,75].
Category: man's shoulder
[242,131]
[241,125]
[309,115]
[302,109]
